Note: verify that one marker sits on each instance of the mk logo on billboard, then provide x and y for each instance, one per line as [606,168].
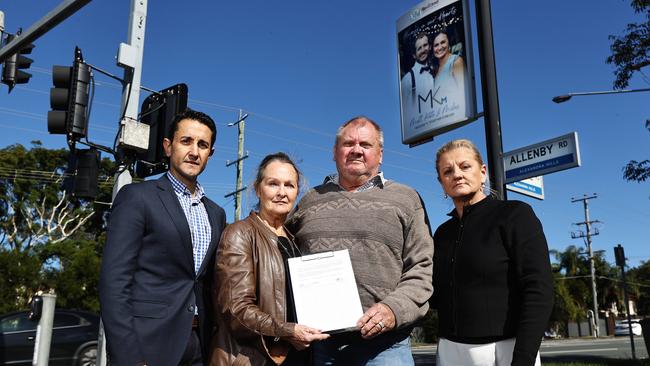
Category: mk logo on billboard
[431,97]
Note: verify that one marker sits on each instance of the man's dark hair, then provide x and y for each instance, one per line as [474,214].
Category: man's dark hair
[421,35]
[195,116]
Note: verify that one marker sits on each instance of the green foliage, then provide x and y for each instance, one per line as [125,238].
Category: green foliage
[72,268]
[47,240]
[609,362]
[630,51]
[639,287]
[565,308]
[430,326]
[17,280]
[637,171]
[573,293]
[574,269]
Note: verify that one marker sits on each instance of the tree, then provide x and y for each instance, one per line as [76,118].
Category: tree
[639,286]
[631,53]
[637,171]
[47,239]
[573,296]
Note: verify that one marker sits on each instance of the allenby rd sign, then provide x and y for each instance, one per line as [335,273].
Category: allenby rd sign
[531,187]
[544,157]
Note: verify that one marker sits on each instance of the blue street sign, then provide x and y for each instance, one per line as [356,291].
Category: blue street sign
[532,187]
[542,158]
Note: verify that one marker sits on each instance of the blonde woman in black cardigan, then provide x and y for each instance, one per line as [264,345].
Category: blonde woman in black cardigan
[492,276]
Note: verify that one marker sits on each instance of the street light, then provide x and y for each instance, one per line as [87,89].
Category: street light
[563,98]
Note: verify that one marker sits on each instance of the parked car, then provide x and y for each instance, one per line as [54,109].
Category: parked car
[74,338]
[621,327]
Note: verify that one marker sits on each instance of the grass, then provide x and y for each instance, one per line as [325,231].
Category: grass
[645,362]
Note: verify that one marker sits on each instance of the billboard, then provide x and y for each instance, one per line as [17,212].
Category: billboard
[437,89]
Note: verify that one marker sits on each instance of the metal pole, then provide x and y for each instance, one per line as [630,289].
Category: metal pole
[240,166]
[49,21]
[44,331]
[133,69]
[627,307]
[620,261]
[563,98]
[130,105]
[490,98]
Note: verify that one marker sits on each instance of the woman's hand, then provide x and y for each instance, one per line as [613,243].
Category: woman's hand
[304,335]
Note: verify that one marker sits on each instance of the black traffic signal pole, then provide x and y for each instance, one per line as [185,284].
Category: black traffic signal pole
[619,254]
[490,98]
[49,21]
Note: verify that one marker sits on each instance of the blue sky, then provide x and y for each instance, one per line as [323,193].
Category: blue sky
[302,68]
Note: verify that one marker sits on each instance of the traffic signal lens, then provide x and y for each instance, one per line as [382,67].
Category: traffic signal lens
[59,98]
[61,76]
[57,122]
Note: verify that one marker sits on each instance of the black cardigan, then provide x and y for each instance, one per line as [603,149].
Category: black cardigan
[492,277]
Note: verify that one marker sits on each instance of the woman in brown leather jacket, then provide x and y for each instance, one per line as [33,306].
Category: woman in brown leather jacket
[253,304]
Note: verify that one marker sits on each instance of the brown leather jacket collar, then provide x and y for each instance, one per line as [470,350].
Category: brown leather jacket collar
[249,297]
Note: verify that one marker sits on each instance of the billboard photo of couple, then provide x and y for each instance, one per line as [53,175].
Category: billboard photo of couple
[437,90]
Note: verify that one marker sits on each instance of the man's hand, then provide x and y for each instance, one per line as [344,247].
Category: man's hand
[376,320]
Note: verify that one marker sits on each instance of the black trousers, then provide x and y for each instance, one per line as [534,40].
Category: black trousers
[192,355]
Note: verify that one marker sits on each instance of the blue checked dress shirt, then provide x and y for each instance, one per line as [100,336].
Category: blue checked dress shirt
[376,181]
[197,218]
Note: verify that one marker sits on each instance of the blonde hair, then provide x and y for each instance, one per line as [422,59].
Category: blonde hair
[455,144]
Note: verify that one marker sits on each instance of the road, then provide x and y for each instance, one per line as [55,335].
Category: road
[563,350]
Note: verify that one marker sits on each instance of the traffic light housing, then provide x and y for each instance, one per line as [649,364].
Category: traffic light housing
[36,309]
[12,68]
[619,254]
[69,99]
[158,111]
[83,173]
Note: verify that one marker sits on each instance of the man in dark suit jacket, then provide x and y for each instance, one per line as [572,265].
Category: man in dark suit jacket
[156,273]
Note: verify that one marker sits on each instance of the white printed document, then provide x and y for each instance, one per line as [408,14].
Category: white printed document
[325,291]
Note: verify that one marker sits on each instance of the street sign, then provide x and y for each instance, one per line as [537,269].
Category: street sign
[532,187]
[545,157]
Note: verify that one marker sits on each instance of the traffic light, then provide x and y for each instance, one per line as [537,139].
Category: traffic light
[12,73]
[158,111]
[69,99]
[83,173]
[619,254]
[36,309]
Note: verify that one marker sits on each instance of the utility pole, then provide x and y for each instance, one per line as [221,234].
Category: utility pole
[585,200]
[240,163]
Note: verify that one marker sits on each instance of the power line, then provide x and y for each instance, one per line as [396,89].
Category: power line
[232,109]
[235,109]
[602,278]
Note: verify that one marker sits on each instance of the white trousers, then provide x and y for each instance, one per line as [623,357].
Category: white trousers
[489,354]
